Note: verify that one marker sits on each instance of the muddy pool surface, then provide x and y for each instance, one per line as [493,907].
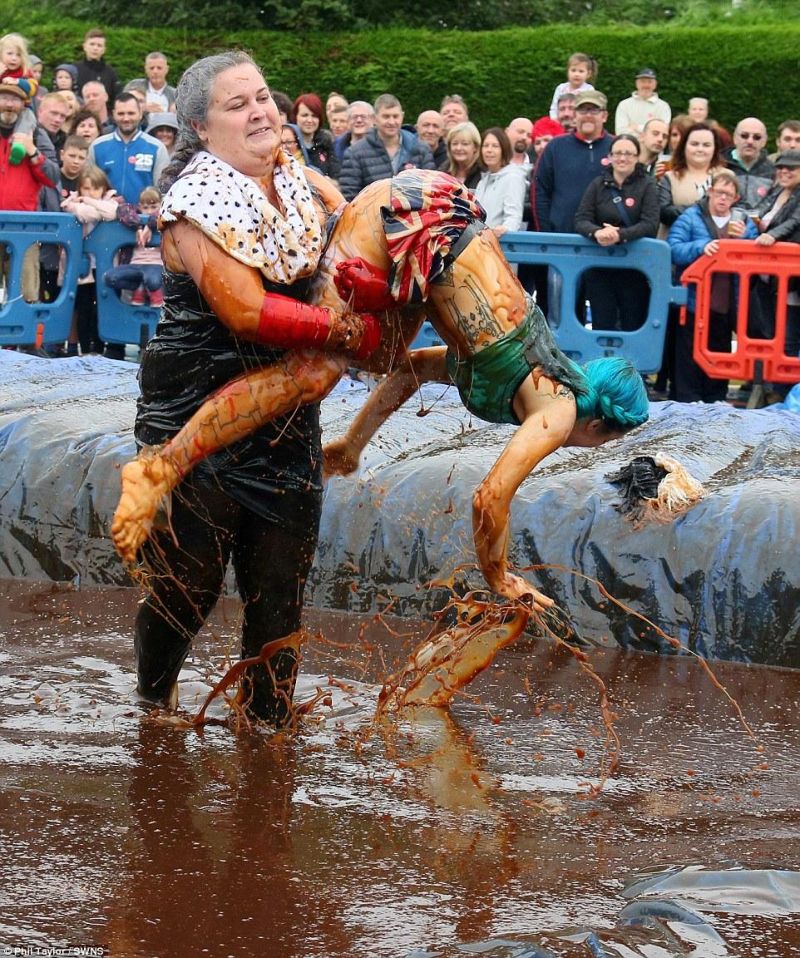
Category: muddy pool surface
[449,833]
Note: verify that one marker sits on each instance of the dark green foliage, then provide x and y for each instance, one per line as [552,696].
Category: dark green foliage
[501,74]
[355,15]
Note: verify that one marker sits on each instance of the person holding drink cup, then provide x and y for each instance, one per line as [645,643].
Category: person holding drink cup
[695,233]
[779,212]
[778,219]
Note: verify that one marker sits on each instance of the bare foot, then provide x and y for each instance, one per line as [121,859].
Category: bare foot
[515,587]
[448,660]
[145,483]
[338,459]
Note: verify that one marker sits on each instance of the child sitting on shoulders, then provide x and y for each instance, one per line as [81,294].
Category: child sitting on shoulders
[581,70]
[142,273]
[15,71]
[94,202]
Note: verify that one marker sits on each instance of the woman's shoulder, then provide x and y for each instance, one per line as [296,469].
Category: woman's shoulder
[641,179]
[692,214]
[766,201]
[602,181]
[473,177]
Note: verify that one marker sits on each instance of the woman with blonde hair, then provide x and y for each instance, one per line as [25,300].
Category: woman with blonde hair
[463,154]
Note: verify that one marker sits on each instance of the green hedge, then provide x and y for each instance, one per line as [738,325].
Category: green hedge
[501,74]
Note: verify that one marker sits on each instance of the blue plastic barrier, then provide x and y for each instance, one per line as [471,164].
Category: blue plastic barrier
[427,336]
[21,323]
[118,322]
[571,255]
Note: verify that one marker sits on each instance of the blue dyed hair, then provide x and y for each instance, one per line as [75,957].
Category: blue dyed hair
[615,392]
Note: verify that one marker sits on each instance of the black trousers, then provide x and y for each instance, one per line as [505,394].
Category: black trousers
[271,560]
[619,298]
[86,317]
[690,383]
[761,321]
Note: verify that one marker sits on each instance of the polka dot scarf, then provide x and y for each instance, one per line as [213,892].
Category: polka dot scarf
[231,210]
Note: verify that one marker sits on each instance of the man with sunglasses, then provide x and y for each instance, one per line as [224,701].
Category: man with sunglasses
[749,161]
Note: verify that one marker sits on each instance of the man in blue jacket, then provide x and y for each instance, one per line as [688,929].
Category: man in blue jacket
[387,149]
[130,159]
[568,165]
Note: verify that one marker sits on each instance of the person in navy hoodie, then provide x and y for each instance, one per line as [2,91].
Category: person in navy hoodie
[569,164]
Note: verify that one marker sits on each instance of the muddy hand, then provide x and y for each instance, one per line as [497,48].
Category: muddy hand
[365,283]
[145,483]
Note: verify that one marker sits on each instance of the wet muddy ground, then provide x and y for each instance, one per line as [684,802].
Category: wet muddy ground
[465,832]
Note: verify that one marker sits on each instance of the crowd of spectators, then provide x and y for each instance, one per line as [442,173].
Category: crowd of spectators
[564,171]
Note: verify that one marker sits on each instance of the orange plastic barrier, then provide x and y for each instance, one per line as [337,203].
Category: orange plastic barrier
[761,360]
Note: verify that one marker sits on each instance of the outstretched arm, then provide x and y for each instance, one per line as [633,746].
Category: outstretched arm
[420,366]
[541,433]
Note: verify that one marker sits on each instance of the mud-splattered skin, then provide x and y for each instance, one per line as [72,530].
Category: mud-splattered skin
[476,302]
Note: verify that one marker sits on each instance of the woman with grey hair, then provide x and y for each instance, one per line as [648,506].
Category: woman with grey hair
[243,229]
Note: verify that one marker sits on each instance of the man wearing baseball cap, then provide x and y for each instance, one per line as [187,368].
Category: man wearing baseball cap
[642,105]
[568,165]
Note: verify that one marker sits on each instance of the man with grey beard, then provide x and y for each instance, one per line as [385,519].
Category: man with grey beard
[748,160]
[566,111]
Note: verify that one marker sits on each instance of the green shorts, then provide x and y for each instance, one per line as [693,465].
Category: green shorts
[488,381]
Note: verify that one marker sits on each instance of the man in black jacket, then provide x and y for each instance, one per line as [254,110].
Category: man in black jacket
[430,129]
[748,160]
[385,150]
[94,67]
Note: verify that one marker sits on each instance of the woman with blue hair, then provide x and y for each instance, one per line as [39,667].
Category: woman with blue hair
[404,247]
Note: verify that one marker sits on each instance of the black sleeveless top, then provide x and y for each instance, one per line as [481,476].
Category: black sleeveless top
[193,354]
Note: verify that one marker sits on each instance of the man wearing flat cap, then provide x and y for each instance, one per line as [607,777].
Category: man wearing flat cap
[642,105]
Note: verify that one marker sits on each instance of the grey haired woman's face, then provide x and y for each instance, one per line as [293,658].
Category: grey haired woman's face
[242,125]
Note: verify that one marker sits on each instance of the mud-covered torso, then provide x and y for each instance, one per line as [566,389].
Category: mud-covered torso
[488,380]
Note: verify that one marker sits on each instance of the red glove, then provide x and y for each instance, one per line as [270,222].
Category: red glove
[287,323]
[366,284]
[370,336]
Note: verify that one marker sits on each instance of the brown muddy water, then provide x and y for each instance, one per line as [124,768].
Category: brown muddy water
[454,833]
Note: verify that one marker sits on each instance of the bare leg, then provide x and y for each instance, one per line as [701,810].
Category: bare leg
[420,366]
[234,412]
[451,657]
